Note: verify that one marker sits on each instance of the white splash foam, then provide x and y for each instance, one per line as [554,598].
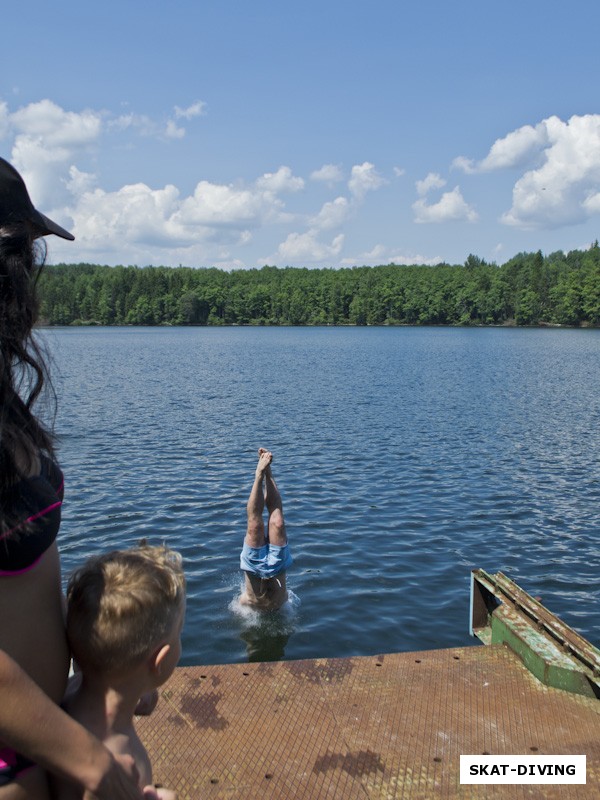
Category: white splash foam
[250,617]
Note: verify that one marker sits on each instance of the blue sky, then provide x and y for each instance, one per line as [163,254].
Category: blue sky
[329,133]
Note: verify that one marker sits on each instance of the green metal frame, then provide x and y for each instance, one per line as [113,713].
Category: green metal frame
[503,613]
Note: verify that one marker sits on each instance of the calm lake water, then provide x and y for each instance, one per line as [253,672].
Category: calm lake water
[405,456]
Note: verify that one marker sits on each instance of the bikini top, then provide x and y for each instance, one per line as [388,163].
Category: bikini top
[38,502]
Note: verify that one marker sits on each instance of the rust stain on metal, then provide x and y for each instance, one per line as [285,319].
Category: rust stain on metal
[363,762]
[176,721]
[265,667]
[203,711]
[390,727]
[327,669]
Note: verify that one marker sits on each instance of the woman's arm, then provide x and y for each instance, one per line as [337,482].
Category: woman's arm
[34,726]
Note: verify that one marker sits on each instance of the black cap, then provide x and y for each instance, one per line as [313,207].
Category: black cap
[16,206]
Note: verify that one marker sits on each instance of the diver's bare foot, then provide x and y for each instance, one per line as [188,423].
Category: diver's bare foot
[262,450]
[264,462]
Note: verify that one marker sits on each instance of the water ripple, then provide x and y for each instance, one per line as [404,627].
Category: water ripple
[406,458]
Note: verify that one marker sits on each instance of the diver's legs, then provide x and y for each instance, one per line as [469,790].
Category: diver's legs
[255,532]
[276,525]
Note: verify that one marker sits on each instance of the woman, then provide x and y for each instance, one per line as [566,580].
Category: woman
[34,659]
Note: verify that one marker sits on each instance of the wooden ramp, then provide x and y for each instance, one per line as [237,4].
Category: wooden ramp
[388,727]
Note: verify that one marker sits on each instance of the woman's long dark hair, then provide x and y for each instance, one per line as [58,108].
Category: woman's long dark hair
[22,367]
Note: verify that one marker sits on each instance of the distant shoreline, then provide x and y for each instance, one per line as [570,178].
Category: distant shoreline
[529,290]
[509,324]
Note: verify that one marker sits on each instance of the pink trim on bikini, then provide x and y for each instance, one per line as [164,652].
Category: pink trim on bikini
[9,573]
[32,519]
[9,760]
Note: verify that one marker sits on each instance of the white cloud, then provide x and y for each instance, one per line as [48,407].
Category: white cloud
[280,181]
[80,182]
[46,140]
[592,203]
[329,173]
[146,126]
[516,149]
[563,190]
[451,207]
[399,172]
[133,214]
[59,153]
[44,170]
[432,181]
[226,262]
[561,184]
[306,247]
[466,164]
[140,122]
[173,131]
[137,221]
[197,109]
[227,206]
[383,255]
[416,260]
[332,215]
[373,257]
[300,248]
[57,127]
[364,178]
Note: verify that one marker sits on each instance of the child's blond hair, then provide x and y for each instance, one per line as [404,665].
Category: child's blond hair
[123,604]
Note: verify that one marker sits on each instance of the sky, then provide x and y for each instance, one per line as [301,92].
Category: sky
[335,133]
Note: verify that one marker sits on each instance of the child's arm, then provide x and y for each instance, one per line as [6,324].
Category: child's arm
[36,727]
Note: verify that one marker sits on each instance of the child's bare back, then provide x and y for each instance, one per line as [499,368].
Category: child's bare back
[124,620]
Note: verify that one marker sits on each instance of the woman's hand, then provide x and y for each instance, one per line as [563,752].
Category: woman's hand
[120,782]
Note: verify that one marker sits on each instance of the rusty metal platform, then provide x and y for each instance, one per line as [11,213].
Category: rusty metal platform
[388,727]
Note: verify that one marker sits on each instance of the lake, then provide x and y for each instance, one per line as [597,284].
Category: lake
[405,457]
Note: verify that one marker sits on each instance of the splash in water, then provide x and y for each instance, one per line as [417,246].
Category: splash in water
[252,617]
[266,633]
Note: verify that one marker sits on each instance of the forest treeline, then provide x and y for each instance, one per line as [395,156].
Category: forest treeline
[529,289]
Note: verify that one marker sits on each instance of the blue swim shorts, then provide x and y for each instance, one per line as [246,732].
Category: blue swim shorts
[266,561]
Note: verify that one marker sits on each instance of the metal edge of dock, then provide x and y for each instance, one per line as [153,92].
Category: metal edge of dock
[388,726]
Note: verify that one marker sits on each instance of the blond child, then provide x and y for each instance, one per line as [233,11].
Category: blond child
[125,615]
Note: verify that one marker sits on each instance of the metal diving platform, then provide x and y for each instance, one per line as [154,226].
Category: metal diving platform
[390,726]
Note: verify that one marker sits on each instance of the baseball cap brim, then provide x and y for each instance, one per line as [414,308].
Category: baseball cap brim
[43,225]
[16,206]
